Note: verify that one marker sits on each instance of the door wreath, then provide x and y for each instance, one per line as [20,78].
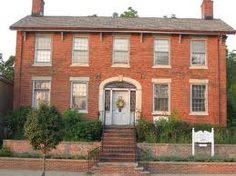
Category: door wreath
[120,103]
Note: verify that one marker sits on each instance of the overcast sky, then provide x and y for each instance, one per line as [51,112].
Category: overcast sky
[13,10]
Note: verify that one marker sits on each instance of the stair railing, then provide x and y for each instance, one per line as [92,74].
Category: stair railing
[93,157]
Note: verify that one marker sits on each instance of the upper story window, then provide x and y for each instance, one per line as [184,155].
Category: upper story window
[161,52]
[41,91]
[198,53]
[79,94]
[121,51]
[43,49]
[80,54]
[199,97]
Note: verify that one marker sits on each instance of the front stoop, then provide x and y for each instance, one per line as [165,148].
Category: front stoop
[119,169]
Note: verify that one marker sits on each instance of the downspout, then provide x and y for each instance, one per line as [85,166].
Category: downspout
[21,61]
[219,40]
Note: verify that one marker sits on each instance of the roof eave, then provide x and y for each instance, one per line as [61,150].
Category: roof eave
[122,30]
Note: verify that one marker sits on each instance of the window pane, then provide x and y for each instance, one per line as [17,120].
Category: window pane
[79,96]
[198,53]
[161,58]
[43,43]
[121,44]
[41,92]
[120,57]
[198,98]
[43,56]
[80,57]
[162,45]
[81,44]
[161,97]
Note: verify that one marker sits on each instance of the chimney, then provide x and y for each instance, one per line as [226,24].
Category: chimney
[38,8]
[207,9]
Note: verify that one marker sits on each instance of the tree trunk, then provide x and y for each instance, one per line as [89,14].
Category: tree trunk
[44,164]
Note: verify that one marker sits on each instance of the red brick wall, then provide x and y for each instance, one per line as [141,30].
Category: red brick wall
[64,148]
[190,168]
[207,9]
[141,59]
[51,164]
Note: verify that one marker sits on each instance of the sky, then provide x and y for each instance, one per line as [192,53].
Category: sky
[13,10]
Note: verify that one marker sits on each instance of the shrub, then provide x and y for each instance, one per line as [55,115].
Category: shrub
[78,128]
[14,122]
[5,152]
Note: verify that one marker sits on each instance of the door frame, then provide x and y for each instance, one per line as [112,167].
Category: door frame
[111,100]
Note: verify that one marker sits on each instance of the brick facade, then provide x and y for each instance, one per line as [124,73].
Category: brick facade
[141,62]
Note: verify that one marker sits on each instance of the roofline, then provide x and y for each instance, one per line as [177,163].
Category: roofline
[95,30]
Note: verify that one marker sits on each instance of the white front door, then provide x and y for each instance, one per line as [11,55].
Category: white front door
[120,116]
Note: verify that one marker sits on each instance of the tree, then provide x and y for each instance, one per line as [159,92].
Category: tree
[7,68]
[130,13]
[44,129]
[231,87]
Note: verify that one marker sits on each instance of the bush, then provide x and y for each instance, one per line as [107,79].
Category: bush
[175,130]
[5,152]
[80,129]
[14,122]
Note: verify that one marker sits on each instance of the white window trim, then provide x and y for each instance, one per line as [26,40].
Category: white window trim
[206,54]
[83,80]
[113,44]
[169,41]
[199,82]
[40,64]
[78,64]
[161,81]
[41,78]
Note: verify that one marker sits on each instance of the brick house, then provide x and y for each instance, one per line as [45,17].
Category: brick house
[121,67]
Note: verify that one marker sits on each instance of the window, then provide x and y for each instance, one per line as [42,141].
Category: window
[79,94]
[161,52]
[121,51]
[161,95]
[199,97]
[80,51]
[43,49]
[198,53]
[41,92]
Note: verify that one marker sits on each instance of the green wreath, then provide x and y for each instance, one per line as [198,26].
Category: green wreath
[120,103]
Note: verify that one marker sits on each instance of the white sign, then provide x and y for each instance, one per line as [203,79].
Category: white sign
[203,137]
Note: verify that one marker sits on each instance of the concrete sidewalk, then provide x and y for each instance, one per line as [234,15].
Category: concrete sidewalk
[54,173]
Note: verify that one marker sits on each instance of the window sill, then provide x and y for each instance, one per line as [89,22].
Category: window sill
[199,113]
[161,113]
[121,65]
[79,65]
[161,66]
[42,65]
[198,67]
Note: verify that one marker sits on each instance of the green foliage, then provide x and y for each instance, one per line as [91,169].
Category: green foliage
[7,68]
[44,128]
[175,130]
[79,129]
[231,87]
[130,13]
[5,152]
[14,122]
[190,159]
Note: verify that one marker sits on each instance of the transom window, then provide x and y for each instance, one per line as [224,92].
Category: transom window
[198,53]
[198,98]
[41,92]
[79,96]
[161,97]
[121,51]
[80,51]
[43,49]
[161,52]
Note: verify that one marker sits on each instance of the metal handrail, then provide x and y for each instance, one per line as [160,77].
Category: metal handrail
[93,157]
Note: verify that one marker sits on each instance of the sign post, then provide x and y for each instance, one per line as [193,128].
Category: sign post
[202,138]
